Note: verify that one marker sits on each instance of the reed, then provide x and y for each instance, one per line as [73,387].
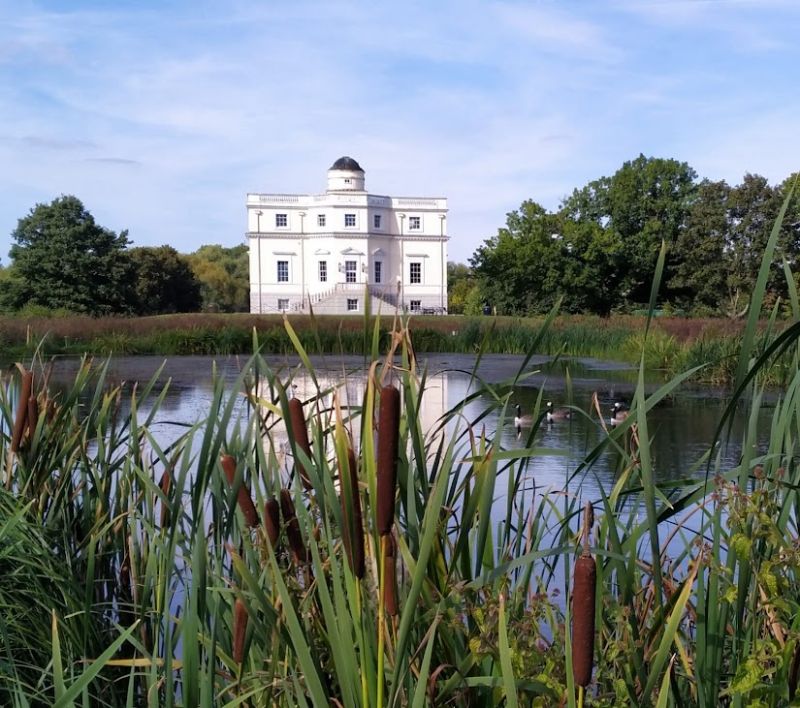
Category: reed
[353,527]
[388,442]
[245,501]
[300,436]
[272,521]
[292,526]
[20,420]
[240,619]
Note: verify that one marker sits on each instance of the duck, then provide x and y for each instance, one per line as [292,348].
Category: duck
[521,420]
[619,413]
[554,414]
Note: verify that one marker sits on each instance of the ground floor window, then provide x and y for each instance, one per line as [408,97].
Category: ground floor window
[283,303]
[352,304]
[416,305]
[283,271]
[350,271]
[323,271]
[378,269]
[415,273]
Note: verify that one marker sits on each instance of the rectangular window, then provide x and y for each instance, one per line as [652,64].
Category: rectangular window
[323,271]
[283,304]
[349,219]
[378,269]
[283,271]
[414,223]
[281,221]
[352,304]
[350,271]
[415,275]
[415,305]
[320,219]
[376,221]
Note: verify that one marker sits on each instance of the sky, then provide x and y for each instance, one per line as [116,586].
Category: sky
[161,116]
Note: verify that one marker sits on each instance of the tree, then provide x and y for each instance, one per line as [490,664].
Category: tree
[224,275]
[699,280]
[62,259]
[644,202]
[459,283]
[165,281]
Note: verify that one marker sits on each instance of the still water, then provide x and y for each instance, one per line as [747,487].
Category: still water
[681,429]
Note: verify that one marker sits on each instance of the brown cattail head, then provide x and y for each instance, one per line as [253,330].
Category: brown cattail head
[272,521]
[390,575]
[353,535]
[21,418]
[293,534]
[245,501]
[388,437]
[583,604]
[300,432]
[33,414]
[165,485]
[239,629]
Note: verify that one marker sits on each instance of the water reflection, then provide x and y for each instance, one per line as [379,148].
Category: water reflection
[680,430]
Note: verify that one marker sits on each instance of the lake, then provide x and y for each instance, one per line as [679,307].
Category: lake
[681,429]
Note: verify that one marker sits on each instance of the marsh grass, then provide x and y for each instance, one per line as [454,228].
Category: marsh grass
[696,585]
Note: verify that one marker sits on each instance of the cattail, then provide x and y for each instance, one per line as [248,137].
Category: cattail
[272,521]
[245,502]
[300,432]
[293,534]
[33,415]
[351,518]
[165,485]
[583,608]
[390,576]
[239,629]
[22,410]
[388,434]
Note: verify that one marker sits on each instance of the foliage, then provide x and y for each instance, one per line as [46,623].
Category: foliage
[460,283]
[165,282]
[62,259]
[224,277]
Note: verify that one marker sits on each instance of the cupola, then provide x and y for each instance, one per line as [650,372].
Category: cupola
[345,175]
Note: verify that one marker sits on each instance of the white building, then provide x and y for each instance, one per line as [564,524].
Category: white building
[333,250]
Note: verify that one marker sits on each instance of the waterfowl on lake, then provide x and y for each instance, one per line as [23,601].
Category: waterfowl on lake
[557,413]
[619,413]
[521,420]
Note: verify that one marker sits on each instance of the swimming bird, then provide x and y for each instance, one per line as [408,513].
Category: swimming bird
[619,413]
[521,420]
[557,413]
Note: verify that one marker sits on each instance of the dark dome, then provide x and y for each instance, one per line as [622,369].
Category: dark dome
[346,163]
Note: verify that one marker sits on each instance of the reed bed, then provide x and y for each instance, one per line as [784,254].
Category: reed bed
[675,345]
[476,590]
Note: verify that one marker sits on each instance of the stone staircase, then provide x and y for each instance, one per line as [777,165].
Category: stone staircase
[334,301]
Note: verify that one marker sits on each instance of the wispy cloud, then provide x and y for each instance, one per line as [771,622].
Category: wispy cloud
[161,117]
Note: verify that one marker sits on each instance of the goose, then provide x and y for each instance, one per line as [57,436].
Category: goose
[557,413]
[521,420]
[619,413]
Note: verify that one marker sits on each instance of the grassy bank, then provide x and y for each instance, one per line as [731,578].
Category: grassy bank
[675,344]
[407,568]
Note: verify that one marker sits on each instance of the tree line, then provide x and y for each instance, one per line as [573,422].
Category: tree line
[597,252]
[62,260]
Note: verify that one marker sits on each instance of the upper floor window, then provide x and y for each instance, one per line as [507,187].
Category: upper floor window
[283,271]
[415,274]
[281,221]
[323,271]
[320,219]
[349,219]
[376,221]
[414,223]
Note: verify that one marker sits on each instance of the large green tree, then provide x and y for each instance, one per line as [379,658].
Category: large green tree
[61,258]
[165,282]
[644,203]
[224,275]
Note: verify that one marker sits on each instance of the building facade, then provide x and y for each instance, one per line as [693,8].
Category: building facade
[333,251]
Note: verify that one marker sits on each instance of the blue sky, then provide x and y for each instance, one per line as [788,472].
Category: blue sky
[161,116]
